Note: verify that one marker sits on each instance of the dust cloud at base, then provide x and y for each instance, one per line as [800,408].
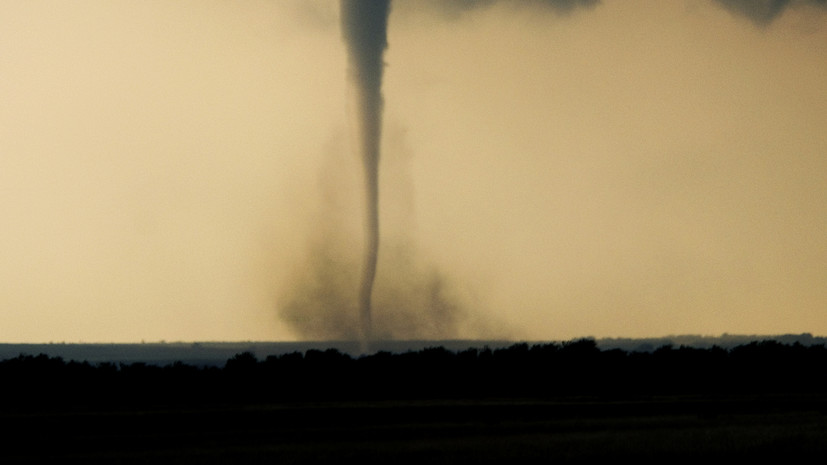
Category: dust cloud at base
[413,297]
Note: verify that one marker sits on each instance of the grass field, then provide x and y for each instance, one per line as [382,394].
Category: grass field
[584,430]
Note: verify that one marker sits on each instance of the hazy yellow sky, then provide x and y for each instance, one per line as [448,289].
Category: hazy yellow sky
[182,170]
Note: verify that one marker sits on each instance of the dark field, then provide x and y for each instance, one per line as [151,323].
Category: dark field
[428,432]
[569,403]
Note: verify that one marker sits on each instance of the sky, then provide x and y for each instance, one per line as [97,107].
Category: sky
[184,170]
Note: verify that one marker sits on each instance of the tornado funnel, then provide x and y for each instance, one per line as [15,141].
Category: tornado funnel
[364,31]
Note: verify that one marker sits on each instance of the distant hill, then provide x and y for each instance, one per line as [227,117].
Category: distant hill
[217,353]
[726,341]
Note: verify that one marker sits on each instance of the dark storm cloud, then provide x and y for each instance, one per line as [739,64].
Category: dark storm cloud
[760,12]
[455,8]
[763,12]
[556,5]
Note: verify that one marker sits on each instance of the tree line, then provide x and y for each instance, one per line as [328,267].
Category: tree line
[573,368]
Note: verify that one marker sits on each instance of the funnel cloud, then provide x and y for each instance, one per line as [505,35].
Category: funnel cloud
[364,30]
[324,295]
[760,12]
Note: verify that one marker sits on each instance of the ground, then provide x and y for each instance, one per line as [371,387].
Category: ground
[563,430]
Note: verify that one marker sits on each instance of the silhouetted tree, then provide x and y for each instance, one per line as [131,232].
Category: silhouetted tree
[573,368]
[245,362]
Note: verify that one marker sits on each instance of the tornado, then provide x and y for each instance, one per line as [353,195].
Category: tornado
[364,31]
